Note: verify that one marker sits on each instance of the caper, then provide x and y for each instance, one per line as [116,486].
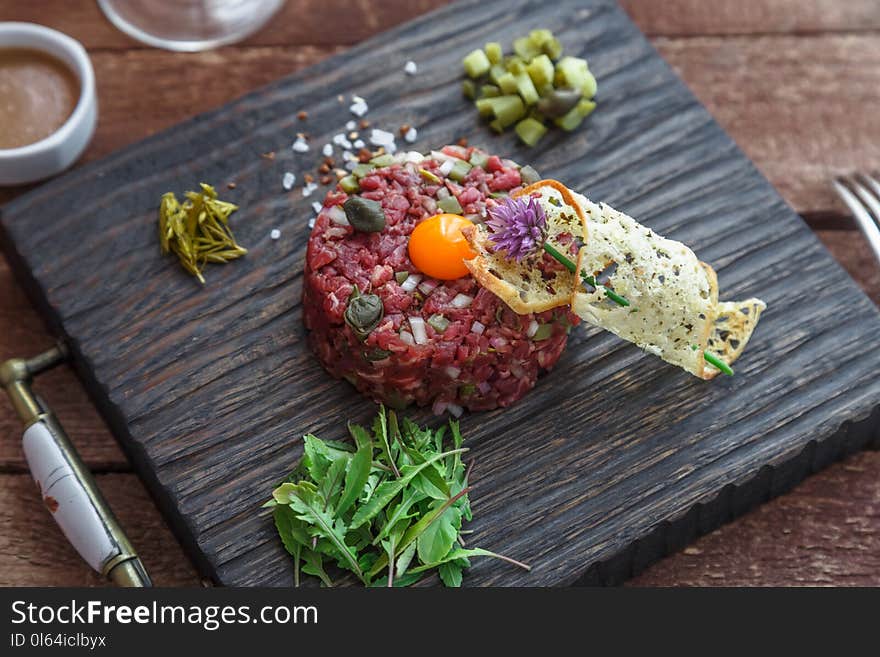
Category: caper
[559,102]
[529,175]
[364,214]
[363,313]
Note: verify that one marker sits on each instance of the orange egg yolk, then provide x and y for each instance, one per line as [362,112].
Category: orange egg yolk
[438,249]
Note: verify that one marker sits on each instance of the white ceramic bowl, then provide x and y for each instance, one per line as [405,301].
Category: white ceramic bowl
[59,150]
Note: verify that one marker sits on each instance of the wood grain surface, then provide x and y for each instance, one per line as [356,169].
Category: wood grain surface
[125,117]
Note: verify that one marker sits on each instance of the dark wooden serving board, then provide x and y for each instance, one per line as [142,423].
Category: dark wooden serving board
[613,460]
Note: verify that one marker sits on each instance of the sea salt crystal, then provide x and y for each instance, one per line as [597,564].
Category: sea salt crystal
[359,143]
[348,156]
[410,68]
[351,125]
[359,106]
[309,188]
[381,137]
[341,140]
[288,180]
[300,145]
[312,222]
[411,135]
[275,234]
[327,150]
[317,207]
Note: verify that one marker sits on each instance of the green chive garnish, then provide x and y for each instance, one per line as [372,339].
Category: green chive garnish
[611,294]
[589,280]
[717,362]
[553,251]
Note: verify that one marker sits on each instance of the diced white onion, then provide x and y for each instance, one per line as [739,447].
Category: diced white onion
[442,157]
[452,371]
[478,328]
[428,286]
[413,156]
[411,135]
[288,180]
[484,387]
[420,335]
[358,143]
[327,150]
[411,282]
[455,409]
[447,167]
[439,407]
[407,337]
[442,193]
[533,328]
[337,215]
[317,207]
[300,145]
[351,125]
[462,301]
[312,222]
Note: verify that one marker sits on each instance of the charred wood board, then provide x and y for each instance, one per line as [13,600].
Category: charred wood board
[612,461]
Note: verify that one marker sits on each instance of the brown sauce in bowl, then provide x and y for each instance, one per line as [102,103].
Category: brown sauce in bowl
[38,94]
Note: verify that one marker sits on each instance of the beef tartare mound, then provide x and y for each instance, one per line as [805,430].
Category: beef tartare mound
[450,344]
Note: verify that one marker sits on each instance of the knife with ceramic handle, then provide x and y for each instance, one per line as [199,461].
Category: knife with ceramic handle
[67,487]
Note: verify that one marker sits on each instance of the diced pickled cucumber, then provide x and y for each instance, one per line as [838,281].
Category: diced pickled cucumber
[571,72]
[525,48]
[469,89]
[350,185]
[507,82]
[459,170]
[552,48]
[476,63]
[539,37]
[589,87]
[489,91]
[530,131]
[496,72]
[541,71]
[479,159]
[577,114]
[384,160]
[494,52]
[526,89]
[507,110]
[361,170]
[449,204]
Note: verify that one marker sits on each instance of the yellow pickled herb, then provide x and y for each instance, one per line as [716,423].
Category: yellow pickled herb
[197,231]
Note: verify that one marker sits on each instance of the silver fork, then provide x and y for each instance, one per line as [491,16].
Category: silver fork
[861,193]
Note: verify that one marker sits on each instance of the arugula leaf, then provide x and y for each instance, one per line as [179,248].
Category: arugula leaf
[315,566]
[391,500]
[305,504]
[356,478]
[387,490]
[450,573]
[436,540]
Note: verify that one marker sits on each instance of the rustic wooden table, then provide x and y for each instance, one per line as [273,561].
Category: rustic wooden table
[796,84]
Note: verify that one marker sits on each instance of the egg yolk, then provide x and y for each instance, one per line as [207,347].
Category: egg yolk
[438,248]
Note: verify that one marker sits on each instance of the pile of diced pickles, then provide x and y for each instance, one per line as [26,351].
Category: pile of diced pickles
[531,87]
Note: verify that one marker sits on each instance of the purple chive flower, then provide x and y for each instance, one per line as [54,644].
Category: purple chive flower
[518,226]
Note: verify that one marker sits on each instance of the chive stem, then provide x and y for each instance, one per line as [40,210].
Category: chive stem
[553,251]
[717,362]
[589,280]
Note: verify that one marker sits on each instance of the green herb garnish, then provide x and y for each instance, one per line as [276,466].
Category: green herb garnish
[388,508]
[197,231]
[589,280]
[717,362]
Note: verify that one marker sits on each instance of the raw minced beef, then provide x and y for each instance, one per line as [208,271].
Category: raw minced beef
[484,357]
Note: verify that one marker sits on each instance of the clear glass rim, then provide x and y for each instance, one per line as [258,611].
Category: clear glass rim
[182,45]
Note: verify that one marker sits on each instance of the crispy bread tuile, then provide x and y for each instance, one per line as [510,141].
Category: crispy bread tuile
[522,285]
[674,312]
